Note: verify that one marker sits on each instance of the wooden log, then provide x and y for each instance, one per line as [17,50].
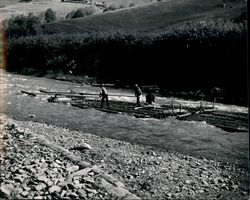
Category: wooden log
[81,93]
[187,114]
[29,93]
[210,110]
[184,115]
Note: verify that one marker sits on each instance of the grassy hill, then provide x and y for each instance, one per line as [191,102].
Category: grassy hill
[150,16]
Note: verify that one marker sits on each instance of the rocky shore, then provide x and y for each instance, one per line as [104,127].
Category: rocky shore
[40,161]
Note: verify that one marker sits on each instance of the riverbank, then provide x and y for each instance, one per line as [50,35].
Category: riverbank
[34,170]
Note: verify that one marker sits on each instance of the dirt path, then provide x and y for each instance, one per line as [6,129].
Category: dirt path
[193,138]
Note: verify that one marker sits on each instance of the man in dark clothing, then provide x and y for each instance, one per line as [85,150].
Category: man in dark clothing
[138,93]
[104,95]
[150,98]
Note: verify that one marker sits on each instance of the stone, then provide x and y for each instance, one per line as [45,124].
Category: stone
[169,195]
[89,180]
[43,179]
[58,162]
[224,187]
[90,195]
[82,146]
[188,181]
[50,183]
[19,171]
[21,136]
[235,187]
[5,190]
[73,195]
[73,168]
[215,181]
[205,183]
[7,176]
[25,187]
[30,168]
[55,165]
[7,181]
[10,126]
[82,193]
[18,179]
[25,193]
[63,193]
[26,162]
[91,191]
[96,169]
[54,188]
[40,187]
[91,173]
[201,191]
[16,192]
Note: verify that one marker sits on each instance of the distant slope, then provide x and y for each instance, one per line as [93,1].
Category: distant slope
[150,17]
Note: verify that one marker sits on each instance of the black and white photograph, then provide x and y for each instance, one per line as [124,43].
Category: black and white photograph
[124,99]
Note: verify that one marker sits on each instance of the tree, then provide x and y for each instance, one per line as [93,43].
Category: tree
[49,15]
[22,25]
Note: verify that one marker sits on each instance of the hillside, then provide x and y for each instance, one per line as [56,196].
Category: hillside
[150,16]
[14,7]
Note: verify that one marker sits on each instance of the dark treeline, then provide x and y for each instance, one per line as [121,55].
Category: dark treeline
[191,57]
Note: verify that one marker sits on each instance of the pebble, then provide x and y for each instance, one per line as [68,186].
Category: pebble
[42,179]
[39,187]
[19,179]
[55,165]
[82,193]
[72,168]
[24,193]
[91,191]
[63,193]
[5,190]
[169,195]
[54,188]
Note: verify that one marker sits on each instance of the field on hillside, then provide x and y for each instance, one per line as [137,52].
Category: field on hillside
[150,17]
[17,7]
[38,6]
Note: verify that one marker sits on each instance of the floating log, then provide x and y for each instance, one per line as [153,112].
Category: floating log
[184,115]
[81,93]
[29,93]
[105,84]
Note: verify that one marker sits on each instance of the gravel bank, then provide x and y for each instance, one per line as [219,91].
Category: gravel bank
[31,170]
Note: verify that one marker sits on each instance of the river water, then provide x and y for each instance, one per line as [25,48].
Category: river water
[194,138]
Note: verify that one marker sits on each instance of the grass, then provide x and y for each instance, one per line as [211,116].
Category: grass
[149,17]
[37,7]
[4,3]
